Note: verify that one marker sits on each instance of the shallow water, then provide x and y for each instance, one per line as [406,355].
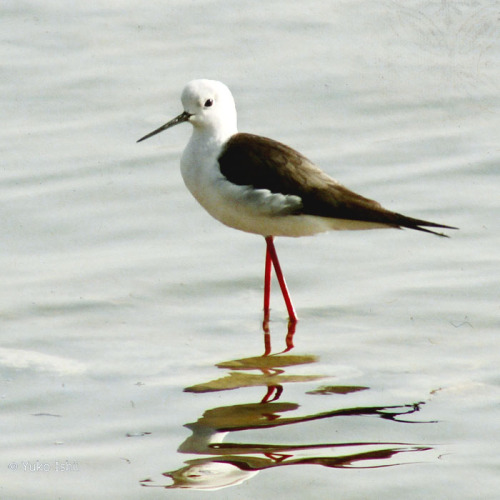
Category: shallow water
[127,311]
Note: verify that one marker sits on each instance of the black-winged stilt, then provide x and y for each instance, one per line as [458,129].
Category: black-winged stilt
[261,186]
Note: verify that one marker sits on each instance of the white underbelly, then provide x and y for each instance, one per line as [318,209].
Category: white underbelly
[297,225]
[258,211]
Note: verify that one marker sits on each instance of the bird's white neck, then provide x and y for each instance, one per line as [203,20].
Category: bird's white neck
[216,133]
[206,142]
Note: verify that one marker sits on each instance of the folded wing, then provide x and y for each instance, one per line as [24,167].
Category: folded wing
[251,160]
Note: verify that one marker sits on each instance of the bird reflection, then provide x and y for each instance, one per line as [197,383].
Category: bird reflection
[227,463]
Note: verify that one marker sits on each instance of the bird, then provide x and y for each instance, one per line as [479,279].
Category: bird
[261,186]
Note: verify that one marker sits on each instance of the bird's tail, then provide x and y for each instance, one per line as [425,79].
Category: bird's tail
[420,225]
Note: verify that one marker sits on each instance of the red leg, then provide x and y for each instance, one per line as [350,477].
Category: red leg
[281,280]
[267,286]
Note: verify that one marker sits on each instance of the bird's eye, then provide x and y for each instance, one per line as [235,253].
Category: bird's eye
[209,103]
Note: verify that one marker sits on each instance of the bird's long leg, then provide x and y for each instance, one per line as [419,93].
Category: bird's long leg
[267,303]
[267,285]
[271,251]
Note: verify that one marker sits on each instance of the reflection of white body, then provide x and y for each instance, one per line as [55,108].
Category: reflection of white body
[209,475]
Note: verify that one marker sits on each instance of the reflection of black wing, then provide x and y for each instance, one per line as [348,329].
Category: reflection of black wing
[356,460]
[251,160]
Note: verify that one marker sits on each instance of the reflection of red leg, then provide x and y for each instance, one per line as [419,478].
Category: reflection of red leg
[276,389]
[269,393]
[289,335]
[277,457]
[267,336]
[271,251]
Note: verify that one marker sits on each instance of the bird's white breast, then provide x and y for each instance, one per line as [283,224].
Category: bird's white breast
[241,207]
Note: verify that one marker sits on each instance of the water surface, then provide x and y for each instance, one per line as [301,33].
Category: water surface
[131,340]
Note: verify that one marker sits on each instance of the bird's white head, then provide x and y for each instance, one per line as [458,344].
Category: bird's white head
[210,104]
[209,107]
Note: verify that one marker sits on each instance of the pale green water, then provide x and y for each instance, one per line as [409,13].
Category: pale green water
[118,291]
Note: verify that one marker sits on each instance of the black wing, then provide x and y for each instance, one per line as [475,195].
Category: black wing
[251,160]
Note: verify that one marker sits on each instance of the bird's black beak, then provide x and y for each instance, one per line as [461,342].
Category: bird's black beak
[183,117]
